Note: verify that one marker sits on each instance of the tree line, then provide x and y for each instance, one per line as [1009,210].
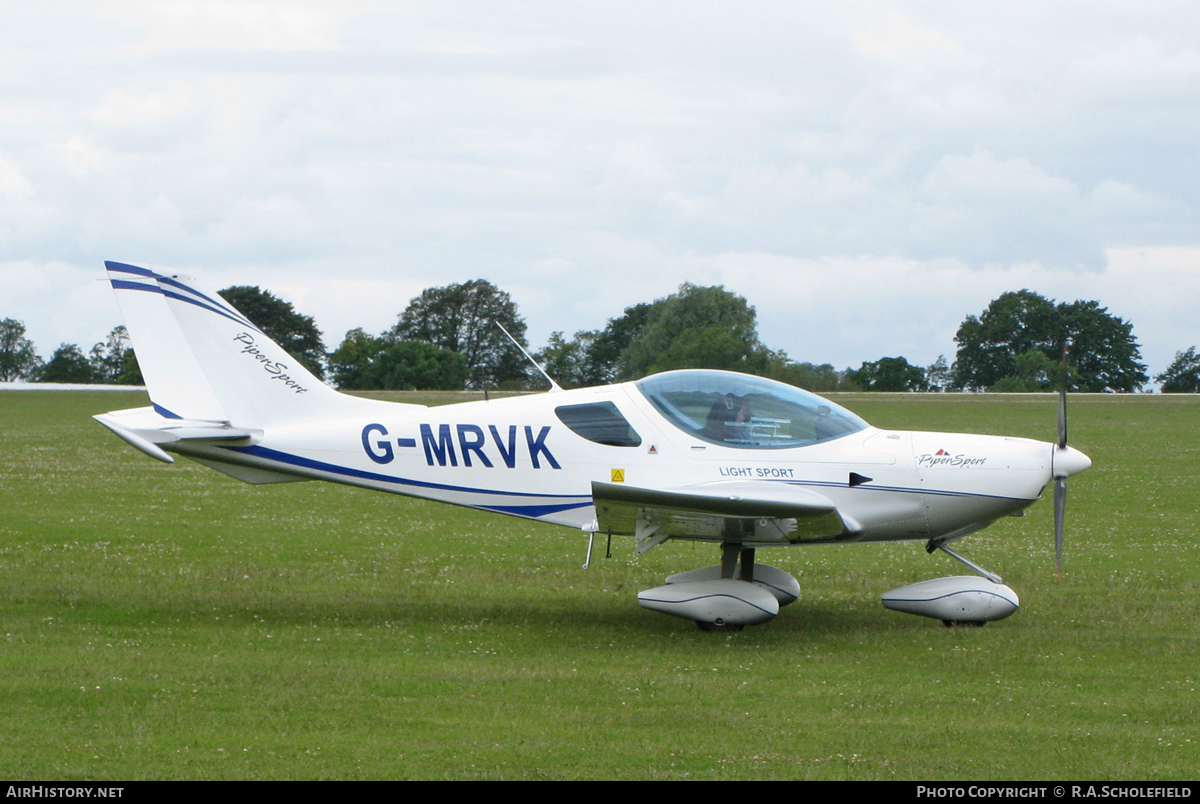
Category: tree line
[109,362]
[448,339]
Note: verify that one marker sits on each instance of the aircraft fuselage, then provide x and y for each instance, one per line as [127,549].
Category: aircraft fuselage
[492,454]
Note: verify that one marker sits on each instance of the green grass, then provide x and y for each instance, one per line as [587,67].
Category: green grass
[169,622]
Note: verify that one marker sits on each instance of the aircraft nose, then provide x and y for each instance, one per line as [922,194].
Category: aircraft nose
[1069,461]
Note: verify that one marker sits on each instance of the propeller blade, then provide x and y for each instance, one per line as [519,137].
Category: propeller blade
[1060,510]
[1062,403]
[1062,418]
[1060,483]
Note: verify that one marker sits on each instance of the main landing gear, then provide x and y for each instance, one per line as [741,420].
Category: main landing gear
[728,597]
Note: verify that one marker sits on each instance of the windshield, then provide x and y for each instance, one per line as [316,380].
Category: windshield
[738,410]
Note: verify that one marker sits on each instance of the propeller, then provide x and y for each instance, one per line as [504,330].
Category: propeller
[1066,462]
[1060,480]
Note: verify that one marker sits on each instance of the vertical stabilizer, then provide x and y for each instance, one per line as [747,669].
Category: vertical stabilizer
[257,382]
[178,386]
[205,360]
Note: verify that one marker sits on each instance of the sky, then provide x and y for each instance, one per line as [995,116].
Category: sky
[866,174]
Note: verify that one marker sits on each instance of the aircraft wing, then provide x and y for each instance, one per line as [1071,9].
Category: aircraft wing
[746,512]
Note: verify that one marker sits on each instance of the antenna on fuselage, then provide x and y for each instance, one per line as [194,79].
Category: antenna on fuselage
[553,385]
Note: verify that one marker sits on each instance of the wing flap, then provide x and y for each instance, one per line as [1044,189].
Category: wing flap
[747,512]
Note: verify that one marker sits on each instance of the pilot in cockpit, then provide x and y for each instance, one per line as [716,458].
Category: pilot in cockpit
[728,419]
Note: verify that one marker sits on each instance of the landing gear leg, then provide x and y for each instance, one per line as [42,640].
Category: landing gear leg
[748,564]
[939,545]
[733,554]
[991,576]
[729,558]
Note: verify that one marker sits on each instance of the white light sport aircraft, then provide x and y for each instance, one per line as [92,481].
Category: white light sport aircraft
[740,461]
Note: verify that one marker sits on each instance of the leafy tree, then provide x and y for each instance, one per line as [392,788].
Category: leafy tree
[808,376]
[696,327]
[1013,324]
[593,357]
[1183,375]
[364,362]
[567,361]
[418,365]
[1103,352]
[606,347]
[889,374]
[114,362]
[296,333]
[350,362]
[1034,372]
[462,318]
[938,375]
[68,365]
[18,359]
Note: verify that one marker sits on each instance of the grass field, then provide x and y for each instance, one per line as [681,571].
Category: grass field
[169,622]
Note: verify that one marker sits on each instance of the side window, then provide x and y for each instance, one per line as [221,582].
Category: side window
[600,422]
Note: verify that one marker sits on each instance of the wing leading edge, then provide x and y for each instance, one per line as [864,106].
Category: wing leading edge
[748,513]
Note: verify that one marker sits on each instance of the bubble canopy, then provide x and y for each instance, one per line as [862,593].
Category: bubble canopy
[747,412]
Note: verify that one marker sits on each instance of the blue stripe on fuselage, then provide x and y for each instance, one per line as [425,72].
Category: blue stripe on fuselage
[308,463]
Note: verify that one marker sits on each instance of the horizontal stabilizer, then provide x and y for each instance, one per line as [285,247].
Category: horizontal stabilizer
[135,440]
[149,431]
[746,512]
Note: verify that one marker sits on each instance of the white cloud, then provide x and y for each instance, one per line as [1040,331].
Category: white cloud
[126,108]
[234,24]
[866,174]
[985,211]
[76,156]
[13,184]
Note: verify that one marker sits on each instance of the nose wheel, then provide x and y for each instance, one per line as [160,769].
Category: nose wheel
[968,601]
[718,627]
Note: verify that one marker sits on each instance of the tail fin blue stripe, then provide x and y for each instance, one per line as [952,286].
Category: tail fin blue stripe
[128,269]
[208,303]
[161,411]
[124,284]
[180,297]
[121,284]
[218,303]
